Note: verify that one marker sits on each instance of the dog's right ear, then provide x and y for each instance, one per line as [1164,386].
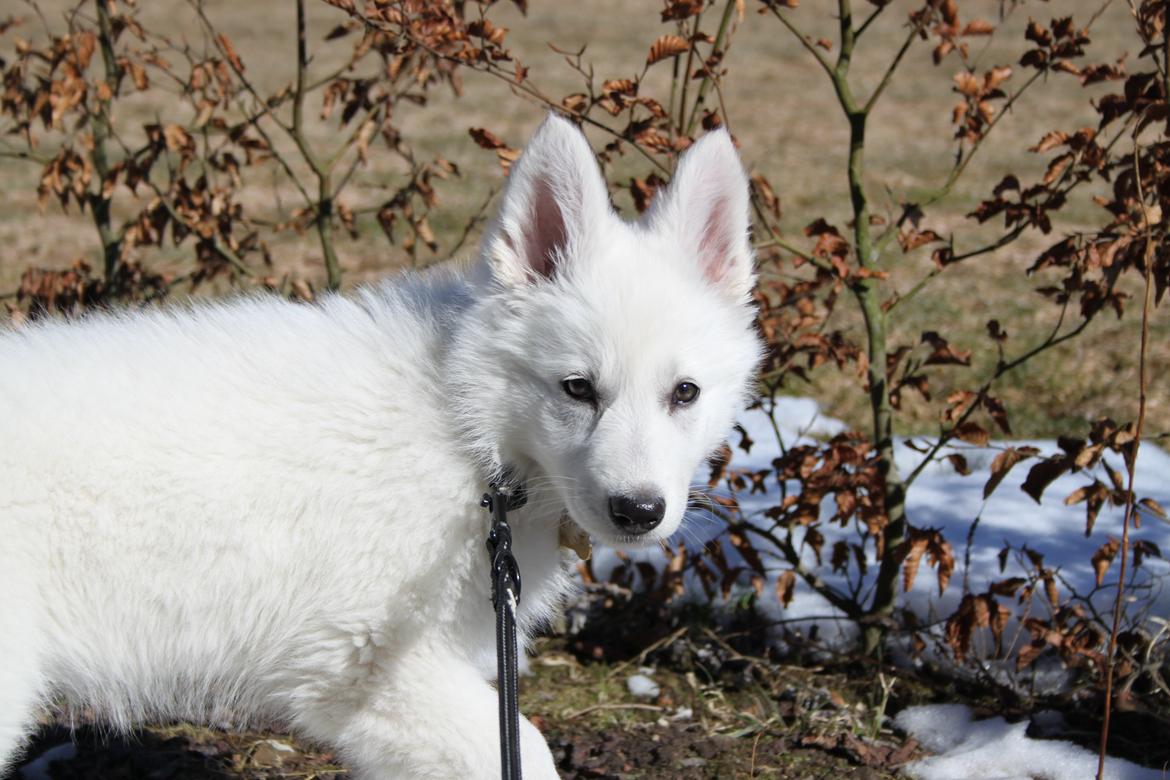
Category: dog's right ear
[553,200]
[708,206]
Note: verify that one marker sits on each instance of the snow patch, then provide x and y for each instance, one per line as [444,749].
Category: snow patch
[941,498]
[642,687]
[994,749]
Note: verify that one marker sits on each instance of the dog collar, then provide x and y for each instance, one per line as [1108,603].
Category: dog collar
[514,493]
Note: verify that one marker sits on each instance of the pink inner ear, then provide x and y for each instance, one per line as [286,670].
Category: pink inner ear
[547,234]
[715,246]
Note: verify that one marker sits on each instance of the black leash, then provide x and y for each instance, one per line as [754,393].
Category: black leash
[505,599]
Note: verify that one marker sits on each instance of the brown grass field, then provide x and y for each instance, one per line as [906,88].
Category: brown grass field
[784,115]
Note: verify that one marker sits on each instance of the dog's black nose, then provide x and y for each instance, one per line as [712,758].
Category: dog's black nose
[636,514]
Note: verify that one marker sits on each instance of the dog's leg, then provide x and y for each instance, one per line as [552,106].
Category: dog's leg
[435,717]
[17,705]
[19,677]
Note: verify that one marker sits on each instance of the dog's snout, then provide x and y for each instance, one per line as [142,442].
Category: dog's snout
[637,514]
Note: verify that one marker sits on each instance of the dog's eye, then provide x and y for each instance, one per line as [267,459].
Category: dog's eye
[685,393]
[580,389]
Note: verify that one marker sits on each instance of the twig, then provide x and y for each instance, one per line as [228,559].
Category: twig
[225,251]
[1131,456]
[1002,368]
[870,19]
[103,128]
[616,706]
[20,154]
[266,110]
[965,160]
[840,601]
[962,163]
[1060,193]
[755,744]
[524,89]
[641,657]
[686,82]
[804,41]
[779,241]
[705,84]
[474,221]
[889,74]
[323,204]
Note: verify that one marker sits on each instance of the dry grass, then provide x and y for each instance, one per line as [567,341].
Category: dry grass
[785,116]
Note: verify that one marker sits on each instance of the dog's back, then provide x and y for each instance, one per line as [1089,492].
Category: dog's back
[170,482]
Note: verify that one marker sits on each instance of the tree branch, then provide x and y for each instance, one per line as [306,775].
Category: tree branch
[1053,340]
[804,41]
[881,87]
[705,84]
[1131,455]
[870,19]
[99,203]
[792,556]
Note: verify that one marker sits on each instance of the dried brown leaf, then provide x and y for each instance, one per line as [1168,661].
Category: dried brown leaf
[786,587]
[666,46]
[1003,463]
[960,463]
[996,76]
[1154,507]
[1103,558]
[914,551]
[1049,141]
[968,84]
[744,547]
[1041,475]
[229,51]
[978,27]
[972,433]
[486,138]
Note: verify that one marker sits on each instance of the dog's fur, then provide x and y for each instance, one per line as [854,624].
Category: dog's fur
[259,509]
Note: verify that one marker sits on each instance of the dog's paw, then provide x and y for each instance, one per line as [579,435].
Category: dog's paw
[536,759]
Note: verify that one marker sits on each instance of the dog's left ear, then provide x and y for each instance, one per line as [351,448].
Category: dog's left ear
[707,204]
[554,201]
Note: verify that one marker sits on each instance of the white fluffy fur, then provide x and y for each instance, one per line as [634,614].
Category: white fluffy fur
[258,509]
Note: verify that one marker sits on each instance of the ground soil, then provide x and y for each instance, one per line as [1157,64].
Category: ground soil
[717,714]
[188,753]
[720,712]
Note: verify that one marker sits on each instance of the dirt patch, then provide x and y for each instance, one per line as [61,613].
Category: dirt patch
[715,713]
[651,750]
[688,754]
[178,752]
[731,717]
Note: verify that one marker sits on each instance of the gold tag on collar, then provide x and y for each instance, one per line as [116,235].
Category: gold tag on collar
[573,538]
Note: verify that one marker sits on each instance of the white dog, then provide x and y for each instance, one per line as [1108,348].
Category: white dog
[265,510]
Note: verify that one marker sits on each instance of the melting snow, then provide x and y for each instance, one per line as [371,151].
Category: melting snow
[993,749]
[642,686]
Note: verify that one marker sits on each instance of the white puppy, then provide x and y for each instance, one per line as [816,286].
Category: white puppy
[264,510]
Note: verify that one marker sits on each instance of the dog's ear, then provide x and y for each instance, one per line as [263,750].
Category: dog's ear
[554,200]
[707,205]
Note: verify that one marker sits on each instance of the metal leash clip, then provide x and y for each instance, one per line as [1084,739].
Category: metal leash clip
[499,542]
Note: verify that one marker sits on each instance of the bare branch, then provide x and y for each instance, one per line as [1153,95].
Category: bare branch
[1131,455]
[718,46]
[804,40]
[889,74]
